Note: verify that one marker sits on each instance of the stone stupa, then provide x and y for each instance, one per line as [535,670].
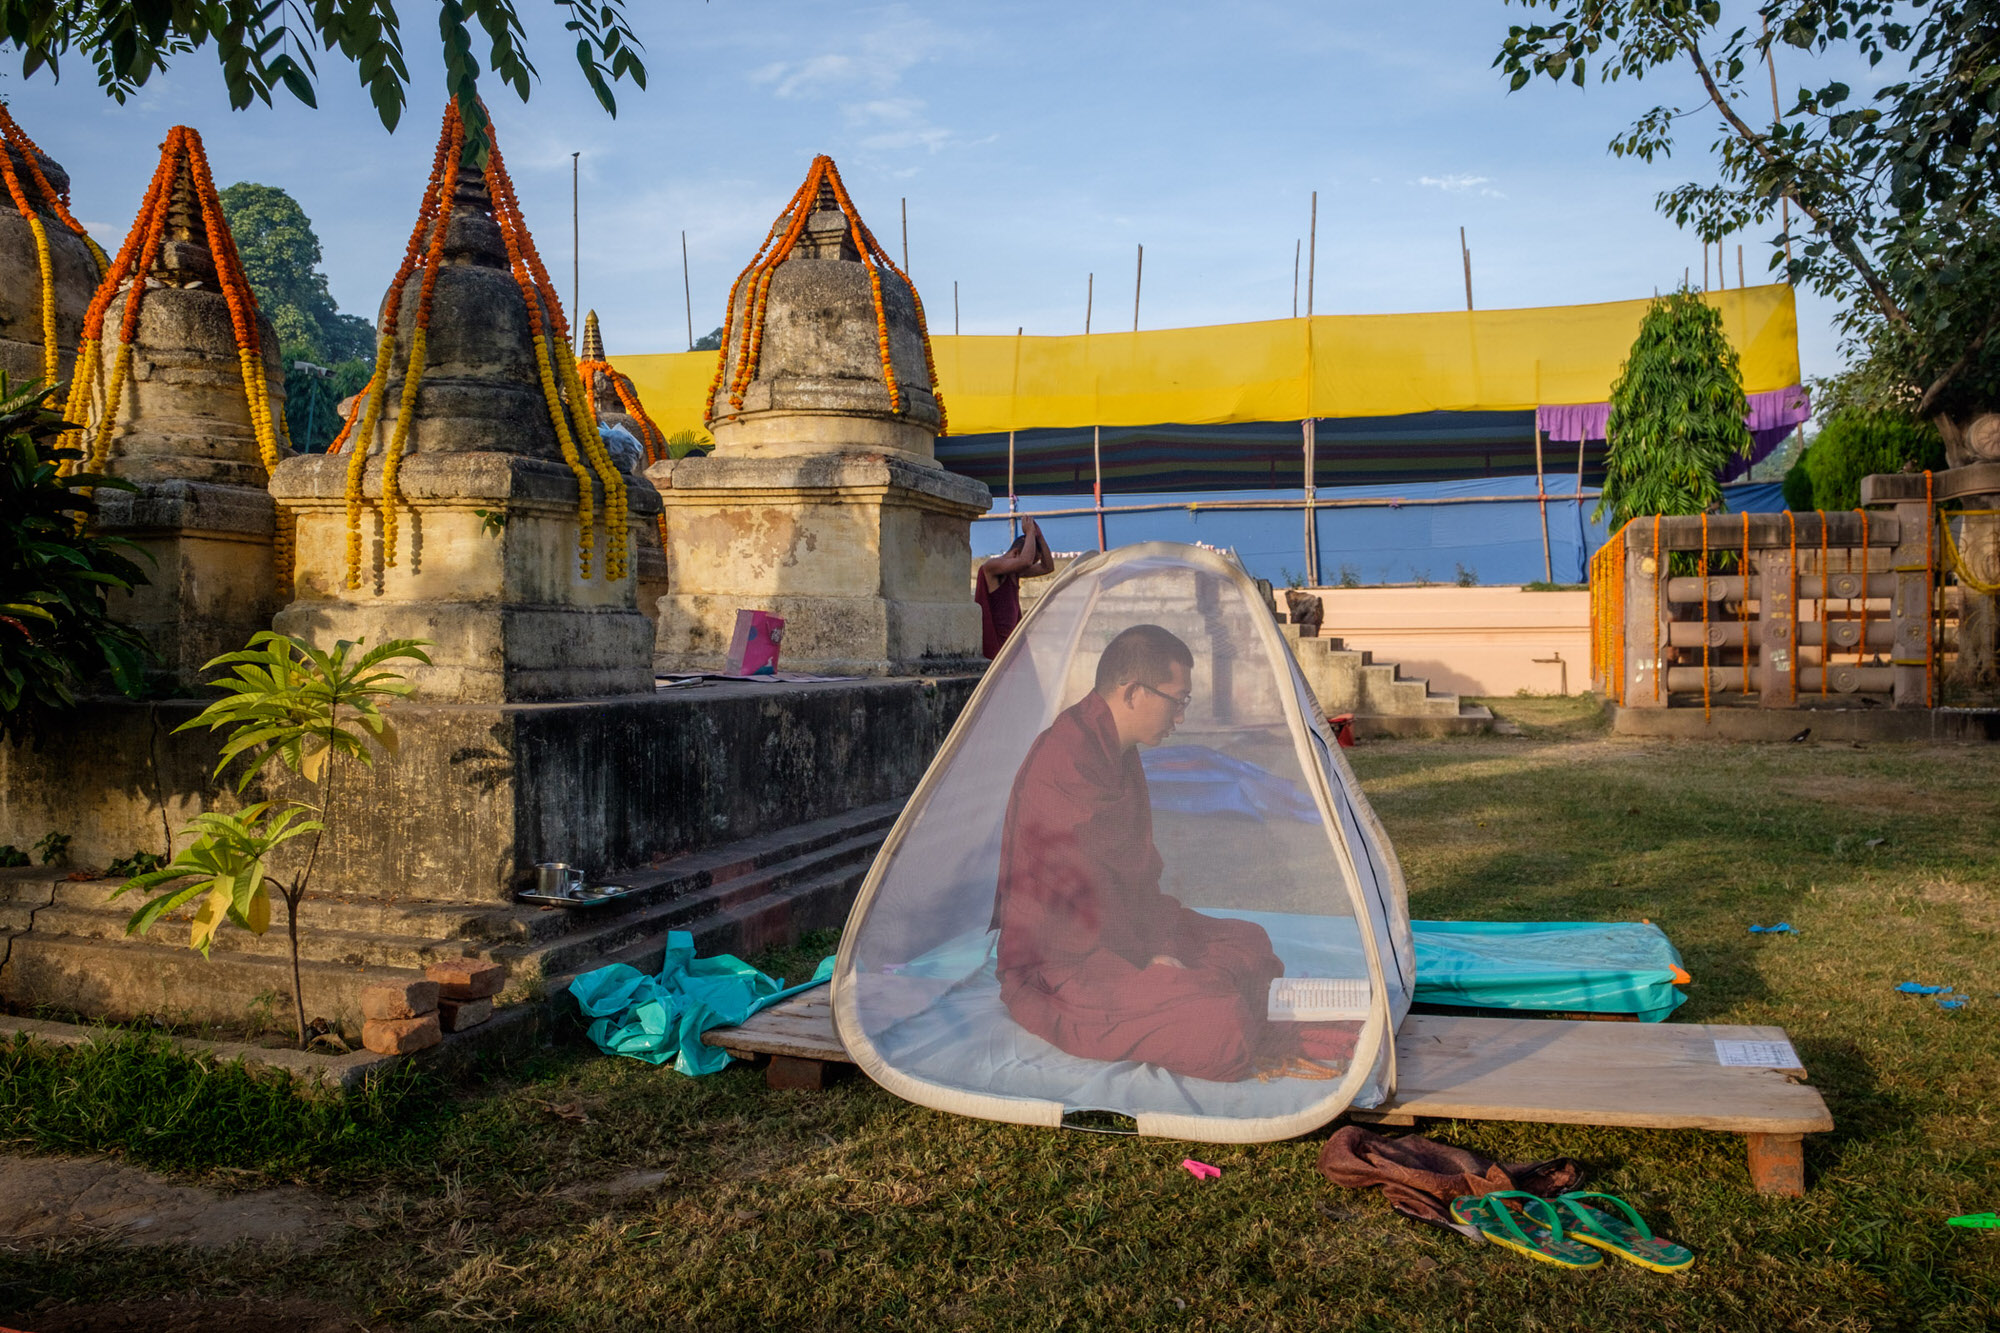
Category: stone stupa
[183,433]
[73,269]
[649,551]
[487,531]
[823,502]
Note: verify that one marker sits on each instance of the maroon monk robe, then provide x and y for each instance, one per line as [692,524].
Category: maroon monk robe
[1081,917]
[999,610]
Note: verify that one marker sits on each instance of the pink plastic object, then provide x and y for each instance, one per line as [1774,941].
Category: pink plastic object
[753,651]
[1201,1170]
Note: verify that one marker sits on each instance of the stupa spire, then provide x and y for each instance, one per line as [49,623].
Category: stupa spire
[593,342]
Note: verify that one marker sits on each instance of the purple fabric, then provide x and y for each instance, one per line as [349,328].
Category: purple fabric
[1772,417]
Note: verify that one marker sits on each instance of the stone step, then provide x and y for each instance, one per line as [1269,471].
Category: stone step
[681,890]
[580,950]
[746,928]
[743,897]
[124,979]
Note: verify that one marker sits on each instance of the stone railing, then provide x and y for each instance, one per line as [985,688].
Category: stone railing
[1795,609]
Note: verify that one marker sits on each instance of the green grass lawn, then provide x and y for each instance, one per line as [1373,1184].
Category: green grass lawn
[852,1209]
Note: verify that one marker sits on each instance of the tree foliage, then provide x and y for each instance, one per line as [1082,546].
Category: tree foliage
[56,633]
[262,45]
[1854,443]
[281,257]
[1677,412]
[1895,197]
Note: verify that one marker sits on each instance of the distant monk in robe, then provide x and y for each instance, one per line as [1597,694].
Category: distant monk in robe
[1093,957]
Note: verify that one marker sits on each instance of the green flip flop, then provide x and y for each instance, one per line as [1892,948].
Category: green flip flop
[1508,1218]
[1628,1237]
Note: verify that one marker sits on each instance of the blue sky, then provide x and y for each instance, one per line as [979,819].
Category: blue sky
[1035,142]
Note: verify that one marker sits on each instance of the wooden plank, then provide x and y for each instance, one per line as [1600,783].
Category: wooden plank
[1561,1072]
[799,1028]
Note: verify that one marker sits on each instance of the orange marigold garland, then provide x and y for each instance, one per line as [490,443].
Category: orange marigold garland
[361,426]
[30,203]
[569,411]
[561,390]
[182,151]
[749,343]
[651,439]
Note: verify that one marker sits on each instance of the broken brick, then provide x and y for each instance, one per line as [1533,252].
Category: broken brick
[399,999]
[458,1015]
[400,1036]
[467,978]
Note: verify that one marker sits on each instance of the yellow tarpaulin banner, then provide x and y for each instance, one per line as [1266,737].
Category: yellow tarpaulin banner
[1284,370]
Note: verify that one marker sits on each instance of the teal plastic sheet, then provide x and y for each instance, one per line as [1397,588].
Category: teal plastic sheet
[660,1019]
[1621,967]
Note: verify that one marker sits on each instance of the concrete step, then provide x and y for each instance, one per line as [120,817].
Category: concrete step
[580,949]
[1350,680]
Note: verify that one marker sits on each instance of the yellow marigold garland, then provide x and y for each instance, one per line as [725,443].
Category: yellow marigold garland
[136,257]
[749,342]
[569,413]
[46,196]
[651,439]
[555,367]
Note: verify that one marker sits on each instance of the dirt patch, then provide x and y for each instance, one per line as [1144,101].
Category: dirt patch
[1979,904]
[58,1198]
[197,1316]
[1875,794]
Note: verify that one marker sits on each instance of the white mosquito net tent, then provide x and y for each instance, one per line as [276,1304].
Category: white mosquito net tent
[1138,878]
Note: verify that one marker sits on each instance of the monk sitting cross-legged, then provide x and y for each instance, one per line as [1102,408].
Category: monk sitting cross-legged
[1094,958]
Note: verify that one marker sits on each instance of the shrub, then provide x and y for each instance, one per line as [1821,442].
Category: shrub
[1855,443]
[56,633]
[1677,412]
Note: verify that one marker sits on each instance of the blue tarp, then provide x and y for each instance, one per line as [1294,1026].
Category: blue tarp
[660,1018]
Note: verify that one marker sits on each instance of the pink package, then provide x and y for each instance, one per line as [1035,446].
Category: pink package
[753,651]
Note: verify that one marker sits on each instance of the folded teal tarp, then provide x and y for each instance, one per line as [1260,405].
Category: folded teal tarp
[660,1019]
[1619,967]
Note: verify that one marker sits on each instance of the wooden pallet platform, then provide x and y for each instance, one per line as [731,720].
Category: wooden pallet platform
[1543,1071]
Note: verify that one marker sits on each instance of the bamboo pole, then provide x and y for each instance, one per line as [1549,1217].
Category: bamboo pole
[1466,255]
[575,253]
[1296,246]
[1311,440]
[1312,254]
[1777,115]
[906,238]
[687,289]
[1138,281]
[1542,499]
[1740,280]
[954,307]
[1089,297]
[1097,479]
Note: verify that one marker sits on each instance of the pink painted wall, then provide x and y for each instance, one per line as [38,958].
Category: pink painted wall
[1479,641]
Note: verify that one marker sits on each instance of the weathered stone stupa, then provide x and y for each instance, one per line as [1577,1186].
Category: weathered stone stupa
[823,502]
[44,252]
[471,504]
[615,400]
[183,397]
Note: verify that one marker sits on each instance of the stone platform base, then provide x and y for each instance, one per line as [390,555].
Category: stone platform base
[477,794]
[69,953]
[1825,724]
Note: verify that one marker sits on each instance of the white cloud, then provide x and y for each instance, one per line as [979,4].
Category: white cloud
[1461,183]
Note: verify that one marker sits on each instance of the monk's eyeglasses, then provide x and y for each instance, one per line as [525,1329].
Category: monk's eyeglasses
[1179,701]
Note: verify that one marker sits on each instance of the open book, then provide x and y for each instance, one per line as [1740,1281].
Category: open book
[1319,1000]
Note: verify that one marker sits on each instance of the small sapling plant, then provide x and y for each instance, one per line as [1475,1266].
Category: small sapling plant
[309,711]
